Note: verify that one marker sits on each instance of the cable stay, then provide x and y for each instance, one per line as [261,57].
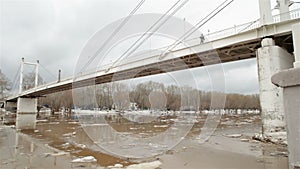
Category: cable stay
[150,32]
[125,20]
[197,26]
[49,73]
[16,76]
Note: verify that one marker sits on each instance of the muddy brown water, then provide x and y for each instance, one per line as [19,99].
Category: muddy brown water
[31,148]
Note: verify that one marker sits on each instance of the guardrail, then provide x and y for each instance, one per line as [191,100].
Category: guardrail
[294,14]
[232,31]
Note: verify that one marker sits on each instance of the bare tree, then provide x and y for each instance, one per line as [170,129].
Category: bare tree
[189,98]
[104,96]
[67,99]
[120,96]
[149,95]
[5,86]
[29,81]
[205,100]
[173,97]
[158,100]
[142,91]
[238,101]
[58,100]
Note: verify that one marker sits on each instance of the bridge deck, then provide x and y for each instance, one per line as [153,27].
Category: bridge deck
[225,49]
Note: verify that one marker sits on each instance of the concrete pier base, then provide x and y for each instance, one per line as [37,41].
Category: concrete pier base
[289,80]
[26,113]
[272,59]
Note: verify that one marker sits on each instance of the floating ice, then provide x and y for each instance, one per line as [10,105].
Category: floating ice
[80,145]
[73,122]
[69,134]
[233,135]
[65,145]
[56,154]
[53,123]
[118,166]
[87,159]
[161,126]
[244,140]
[149,165]
[43,120]
[278,153]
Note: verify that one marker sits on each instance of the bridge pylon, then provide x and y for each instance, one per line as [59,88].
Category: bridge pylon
[265,12]
[36,65]
[27,107]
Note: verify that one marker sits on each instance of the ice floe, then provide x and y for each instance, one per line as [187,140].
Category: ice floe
[87,159]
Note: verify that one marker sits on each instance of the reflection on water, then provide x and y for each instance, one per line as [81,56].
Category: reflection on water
[19,150]
[56,142]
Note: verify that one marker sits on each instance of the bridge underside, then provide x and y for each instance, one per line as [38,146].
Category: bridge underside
[230,53]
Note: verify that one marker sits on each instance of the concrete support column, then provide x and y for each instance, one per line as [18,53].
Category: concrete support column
[271,59]
[296,42]
[26,113]
[289,80]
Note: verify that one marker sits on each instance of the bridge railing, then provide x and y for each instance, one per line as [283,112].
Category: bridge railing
[232,31]
[294,14]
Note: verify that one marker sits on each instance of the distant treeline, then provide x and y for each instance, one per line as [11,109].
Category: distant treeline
[148,95]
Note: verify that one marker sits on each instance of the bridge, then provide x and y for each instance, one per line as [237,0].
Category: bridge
[232,44]
[273,40]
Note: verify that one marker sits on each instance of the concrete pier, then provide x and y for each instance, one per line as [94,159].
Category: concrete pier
[271,59]
[26,113]
[289,80]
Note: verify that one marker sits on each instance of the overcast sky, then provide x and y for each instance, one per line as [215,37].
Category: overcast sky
[55,31]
